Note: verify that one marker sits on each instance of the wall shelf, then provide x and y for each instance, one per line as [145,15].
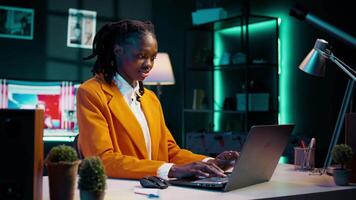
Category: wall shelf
[224,60]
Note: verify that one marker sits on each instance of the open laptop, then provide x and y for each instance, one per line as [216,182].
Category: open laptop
[258,159]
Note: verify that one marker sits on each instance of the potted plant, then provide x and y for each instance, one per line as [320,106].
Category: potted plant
[62,165]
[92,179]
[341,154]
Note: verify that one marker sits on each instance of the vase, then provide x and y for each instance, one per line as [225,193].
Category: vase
[91,195]
[341,176]
[62,179]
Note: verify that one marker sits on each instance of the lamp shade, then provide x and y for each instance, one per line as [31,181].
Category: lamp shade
[314,62]
[161,73]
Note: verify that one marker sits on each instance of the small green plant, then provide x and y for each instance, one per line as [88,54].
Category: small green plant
[342,154]
[62,153]
[92,175]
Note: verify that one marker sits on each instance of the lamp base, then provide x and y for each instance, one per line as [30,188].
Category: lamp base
[159,91]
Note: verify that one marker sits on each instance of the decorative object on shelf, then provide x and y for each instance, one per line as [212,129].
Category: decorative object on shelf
[314,64]
[341,154]
[238,58]
[259,61]
[204,57]
[203,16]
[199,99]
[161,73]
[62,165]
[256,101]
[92,179]
[224,59]
[229,103]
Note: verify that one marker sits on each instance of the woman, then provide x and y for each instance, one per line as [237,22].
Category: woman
[122,122]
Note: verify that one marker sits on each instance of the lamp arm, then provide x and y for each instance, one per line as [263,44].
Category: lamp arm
[345,68]
[339,123]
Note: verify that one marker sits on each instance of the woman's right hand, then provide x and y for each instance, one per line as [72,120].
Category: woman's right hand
[204,169]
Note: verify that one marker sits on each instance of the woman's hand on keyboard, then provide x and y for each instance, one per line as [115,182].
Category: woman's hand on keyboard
[225,160]
[205,169]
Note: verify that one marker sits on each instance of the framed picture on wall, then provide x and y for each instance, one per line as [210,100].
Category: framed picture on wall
[16,22]
[81,28]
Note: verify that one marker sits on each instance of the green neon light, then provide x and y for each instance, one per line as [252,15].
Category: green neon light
[219,95]
[259,27]
[285,70]
[233,31]
[283,160]
[218,81]
[279,73]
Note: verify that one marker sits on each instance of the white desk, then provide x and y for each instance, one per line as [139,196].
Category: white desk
[285,183]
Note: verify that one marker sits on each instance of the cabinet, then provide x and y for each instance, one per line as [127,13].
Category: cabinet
[230,76]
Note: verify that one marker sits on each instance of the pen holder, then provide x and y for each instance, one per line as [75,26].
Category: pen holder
[304,158]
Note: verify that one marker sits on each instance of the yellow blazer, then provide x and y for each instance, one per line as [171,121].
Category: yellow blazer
[109,129]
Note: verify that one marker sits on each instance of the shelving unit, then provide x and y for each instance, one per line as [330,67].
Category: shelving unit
[238,55]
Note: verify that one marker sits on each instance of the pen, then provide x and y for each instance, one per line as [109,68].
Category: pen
[312,143]
[149,195]
[302,144]
[310,148]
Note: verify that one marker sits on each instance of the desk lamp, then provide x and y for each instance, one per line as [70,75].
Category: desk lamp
[314,64]
[161,73]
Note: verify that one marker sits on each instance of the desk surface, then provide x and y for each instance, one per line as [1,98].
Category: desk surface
[285,182]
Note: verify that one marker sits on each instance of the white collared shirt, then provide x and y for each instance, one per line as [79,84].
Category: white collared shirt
[129,94]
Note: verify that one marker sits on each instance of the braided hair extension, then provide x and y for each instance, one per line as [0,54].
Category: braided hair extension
[116,33]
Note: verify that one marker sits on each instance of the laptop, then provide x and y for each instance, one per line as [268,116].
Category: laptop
[258,159]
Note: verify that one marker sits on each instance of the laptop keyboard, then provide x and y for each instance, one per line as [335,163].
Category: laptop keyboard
[213,180]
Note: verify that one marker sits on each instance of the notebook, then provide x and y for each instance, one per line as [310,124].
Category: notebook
[258,159]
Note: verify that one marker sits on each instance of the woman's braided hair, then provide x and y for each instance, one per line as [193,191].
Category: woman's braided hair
[109,35]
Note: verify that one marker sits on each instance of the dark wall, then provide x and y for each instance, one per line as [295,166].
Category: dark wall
[170,19]
[24,58]
[47,56]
